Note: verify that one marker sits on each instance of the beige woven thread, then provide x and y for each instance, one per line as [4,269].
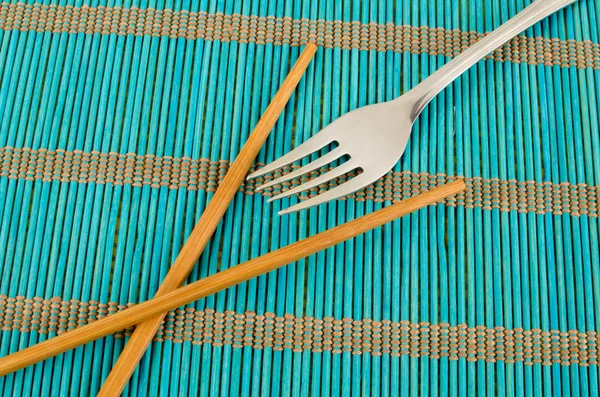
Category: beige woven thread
[191,174]
[364,336]
[285,30]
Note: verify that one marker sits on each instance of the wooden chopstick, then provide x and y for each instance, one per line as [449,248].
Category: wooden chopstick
[204,229]
[222,280]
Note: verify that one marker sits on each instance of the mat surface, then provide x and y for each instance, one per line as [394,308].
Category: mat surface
[118,120]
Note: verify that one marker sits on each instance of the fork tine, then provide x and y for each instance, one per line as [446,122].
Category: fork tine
[315,143]
[334,173]
[344,189]
[321,161]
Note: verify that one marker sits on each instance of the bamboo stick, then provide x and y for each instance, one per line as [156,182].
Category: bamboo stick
[222,280]
[204,229]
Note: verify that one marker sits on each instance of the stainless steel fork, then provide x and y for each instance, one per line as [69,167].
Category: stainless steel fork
[374,137]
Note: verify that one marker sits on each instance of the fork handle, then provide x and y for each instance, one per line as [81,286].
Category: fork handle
[430,87]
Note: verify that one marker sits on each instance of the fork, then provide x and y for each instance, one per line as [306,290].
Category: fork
[374,137]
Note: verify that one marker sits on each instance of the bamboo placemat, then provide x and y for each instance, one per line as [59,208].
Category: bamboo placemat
[118,121]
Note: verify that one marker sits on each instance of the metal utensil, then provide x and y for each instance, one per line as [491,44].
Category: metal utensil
[375,136]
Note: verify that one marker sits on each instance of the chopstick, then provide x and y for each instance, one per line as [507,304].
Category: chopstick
[204,229]
[222,280]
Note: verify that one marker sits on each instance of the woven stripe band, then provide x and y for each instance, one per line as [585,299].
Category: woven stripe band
[317,335]
[186,173]
[285,30]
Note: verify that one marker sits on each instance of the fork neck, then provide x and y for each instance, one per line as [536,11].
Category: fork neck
[423,93]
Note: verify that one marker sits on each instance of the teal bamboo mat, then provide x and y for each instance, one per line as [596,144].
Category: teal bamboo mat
[119,119]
